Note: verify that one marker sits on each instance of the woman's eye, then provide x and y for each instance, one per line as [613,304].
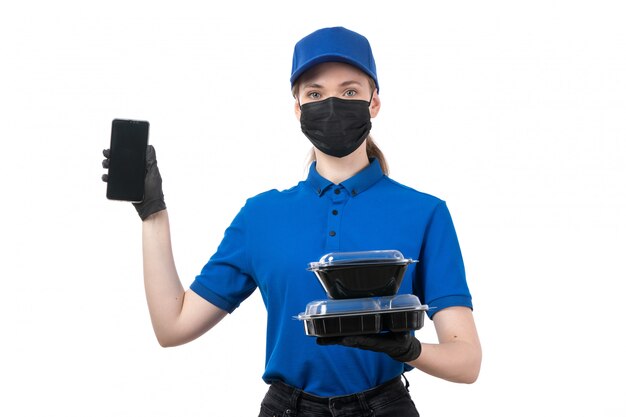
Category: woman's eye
[314,95]
[350,93]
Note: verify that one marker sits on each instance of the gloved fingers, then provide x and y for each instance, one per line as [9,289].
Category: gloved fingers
[393,339]
[376,341]
[395,336]
[150,157]
[401,346]
[363,341]
[326,341]
[401,336]
[105,163]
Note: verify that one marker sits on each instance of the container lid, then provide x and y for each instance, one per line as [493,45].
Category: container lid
[353,306]
[390,256]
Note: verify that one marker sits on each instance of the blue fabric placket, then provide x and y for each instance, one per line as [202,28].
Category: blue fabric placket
[338,196]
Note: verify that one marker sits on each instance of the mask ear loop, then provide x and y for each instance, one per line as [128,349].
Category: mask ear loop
[371,97]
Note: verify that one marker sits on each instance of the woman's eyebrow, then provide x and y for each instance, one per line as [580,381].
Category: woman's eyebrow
[343,84]
[312,85]
[350,82]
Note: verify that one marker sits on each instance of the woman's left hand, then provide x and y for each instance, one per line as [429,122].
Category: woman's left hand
[401,346]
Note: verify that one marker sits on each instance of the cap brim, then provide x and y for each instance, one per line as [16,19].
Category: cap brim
[330,58]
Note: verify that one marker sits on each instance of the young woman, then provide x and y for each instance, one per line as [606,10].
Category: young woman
[347,203]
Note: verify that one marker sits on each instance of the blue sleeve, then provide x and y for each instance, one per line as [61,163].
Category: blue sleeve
[440,279]
[226,280]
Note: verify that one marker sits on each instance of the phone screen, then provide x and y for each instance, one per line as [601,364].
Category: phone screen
[127,165]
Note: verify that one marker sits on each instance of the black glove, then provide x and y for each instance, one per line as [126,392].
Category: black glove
[401,346]
[153,199]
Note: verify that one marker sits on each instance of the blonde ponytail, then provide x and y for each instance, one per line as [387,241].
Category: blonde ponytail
[373,151]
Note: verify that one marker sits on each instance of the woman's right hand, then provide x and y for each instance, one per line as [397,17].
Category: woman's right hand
[153,199]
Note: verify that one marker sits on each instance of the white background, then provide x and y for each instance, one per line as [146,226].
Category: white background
[512,112]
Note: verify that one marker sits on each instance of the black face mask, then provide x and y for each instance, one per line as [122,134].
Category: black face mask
[336,126]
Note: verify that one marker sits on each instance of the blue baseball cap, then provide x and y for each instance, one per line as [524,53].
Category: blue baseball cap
[334,44]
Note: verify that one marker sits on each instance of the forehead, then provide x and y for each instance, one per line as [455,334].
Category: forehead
[333,72]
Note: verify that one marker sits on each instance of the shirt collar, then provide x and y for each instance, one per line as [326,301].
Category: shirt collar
[356,184]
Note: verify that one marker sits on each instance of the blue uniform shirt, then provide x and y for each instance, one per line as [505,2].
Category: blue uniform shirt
[277,233]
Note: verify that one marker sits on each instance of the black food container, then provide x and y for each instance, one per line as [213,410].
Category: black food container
[375,273]
[327,318]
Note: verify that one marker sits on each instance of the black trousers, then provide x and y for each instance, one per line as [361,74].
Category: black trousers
[390,399]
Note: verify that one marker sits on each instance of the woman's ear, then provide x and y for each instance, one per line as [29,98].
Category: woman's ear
[374,104]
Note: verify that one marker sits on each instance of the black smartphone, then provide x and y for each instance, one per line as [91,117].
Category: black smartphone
[127,165]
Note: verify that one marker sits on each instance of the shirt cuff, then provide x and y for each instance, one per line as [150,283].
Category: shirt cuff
[439,304]
[212,297]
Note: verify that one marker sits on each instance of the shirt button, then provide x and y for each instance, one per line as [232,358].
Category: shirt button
[337,191]
[353,193]
[332,233]
[335,212]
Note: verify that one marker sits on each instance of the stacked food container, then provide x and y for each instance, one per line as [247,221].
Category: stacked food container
[362,295]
